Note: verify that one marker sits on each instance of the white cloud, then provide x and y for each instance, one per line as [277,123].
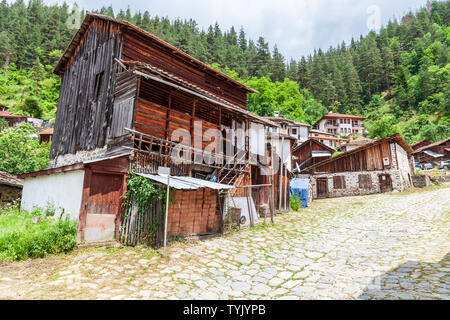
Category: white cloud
[297,27]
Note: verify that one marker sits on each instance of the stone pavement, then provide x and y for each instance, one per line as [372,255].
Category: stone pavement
[388,246]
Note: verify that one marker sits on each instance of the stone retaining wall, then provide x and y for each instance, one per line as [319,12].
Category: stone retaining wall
[421,181]
[9,194]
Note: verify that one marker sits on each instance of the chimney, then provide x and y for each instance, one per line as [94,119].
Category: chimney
[276,113]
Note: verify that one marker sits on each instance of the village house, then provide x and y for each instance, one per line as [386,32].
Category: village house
[309,153]
[420,144]
[295,129]
[330,139]
[381,166]
[127,98]
[12,119]
[10,188]
[46,135]
[342,124]
[433,152]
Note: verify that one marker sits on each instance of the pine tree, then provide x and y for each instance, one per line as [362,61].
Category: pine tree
[304,79]
[277,68]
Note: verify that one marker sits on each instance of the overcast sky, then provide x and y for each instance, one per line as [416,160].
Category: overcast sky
[296,26]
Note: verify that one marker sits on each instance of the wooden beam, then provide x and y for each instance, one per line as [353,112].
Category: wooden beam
[194,106]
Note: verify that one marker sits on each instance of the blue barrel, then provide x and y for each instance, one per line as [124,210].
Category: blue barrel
[300,188]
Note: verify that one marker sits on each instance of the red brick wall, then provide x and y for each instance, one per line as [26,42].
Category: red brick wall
[193,212]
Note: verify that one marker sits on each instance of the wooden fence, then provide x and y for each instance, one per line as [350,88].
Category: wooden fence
[143,227]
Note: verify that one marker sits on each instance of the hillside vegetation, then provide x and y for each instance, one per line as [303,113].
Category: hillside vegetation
[398,77]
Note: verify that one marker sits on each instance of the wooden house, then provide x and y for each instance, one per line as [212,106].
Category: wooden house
[46,135]
[12,119]
[420,144]
[127,101]
[309,153]
[381,166]
[433,152]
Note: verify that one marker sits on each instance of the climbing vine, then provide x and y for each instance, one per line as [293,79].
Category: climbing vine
[142,192]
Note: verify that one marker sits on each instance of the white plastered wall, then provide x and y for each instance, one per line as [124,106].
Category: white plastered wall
[63,191]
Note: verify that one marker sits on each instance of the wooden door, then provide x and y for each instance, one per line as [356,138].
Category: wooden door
[322,188]
[385,183]
[103,206]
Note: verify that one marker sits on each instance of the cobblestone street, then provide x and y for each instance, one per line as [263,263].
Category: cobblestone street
[388,246]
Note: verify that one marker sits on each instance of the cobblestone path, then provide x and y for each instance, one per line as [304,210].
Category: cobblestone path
[389,246]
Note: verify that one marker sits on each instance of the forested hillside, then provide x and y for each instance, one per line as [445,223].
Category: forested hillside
[399,77]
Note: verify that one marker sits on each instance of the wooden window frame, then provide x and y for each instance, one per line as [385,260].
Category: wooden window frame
[339,182]
[365,184]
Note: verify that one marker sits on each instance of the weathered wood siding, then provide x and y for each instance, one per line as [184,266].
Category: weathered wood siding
[136,47]
[369,159]
[85,112]
[124,105]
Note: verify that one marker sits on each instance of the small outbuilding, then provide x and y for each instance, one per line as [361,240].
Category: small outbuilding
[10,188]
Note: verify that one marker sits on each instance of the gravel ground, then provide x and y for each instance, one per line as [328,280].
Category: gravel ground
[386,246]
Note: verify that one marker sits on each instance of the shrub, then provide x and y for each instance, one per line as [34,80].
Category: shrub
[295,203]
[25,235]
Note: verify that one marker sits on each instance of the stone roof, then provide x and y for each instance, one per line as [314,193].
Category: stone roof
[10,180]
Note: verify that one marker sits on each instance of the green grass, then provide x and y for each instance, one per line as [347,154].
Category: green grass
[23,237]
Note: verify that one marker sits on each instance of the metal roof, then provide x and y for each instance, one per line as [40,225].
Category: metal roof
[433,154]
[186,183]
[318,154]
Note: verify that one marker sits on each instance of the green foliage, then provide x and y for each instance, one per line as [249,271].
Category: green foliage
[25,235]
[142,192]
[3,124]
[20,151]
[336,153]
[33,92]
[381,128]
[295,203]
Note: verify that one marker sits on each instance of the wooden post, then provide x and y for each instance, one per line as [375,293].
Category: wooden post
[192,137]
[281,173]
[166,132]
[220,146]
[285,188]
[272,181]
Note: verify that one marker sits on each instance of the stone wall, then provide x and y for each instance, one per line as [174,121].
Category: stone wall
[80,156]
[421,181]
[352,183]
[9,194]
[404,167]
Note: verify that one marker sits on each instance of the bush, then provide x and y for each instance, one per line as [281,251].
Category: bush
[295,203]
[25,235]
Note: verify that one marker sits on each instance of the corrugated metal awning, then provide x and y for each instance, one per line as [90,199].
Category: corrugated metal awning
[433,154]
[186,183]
[319,154]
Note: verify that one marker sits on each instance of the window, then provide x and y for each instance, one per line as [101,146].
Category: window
[339,182]
[365,181]
[294,131]
[98,85]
